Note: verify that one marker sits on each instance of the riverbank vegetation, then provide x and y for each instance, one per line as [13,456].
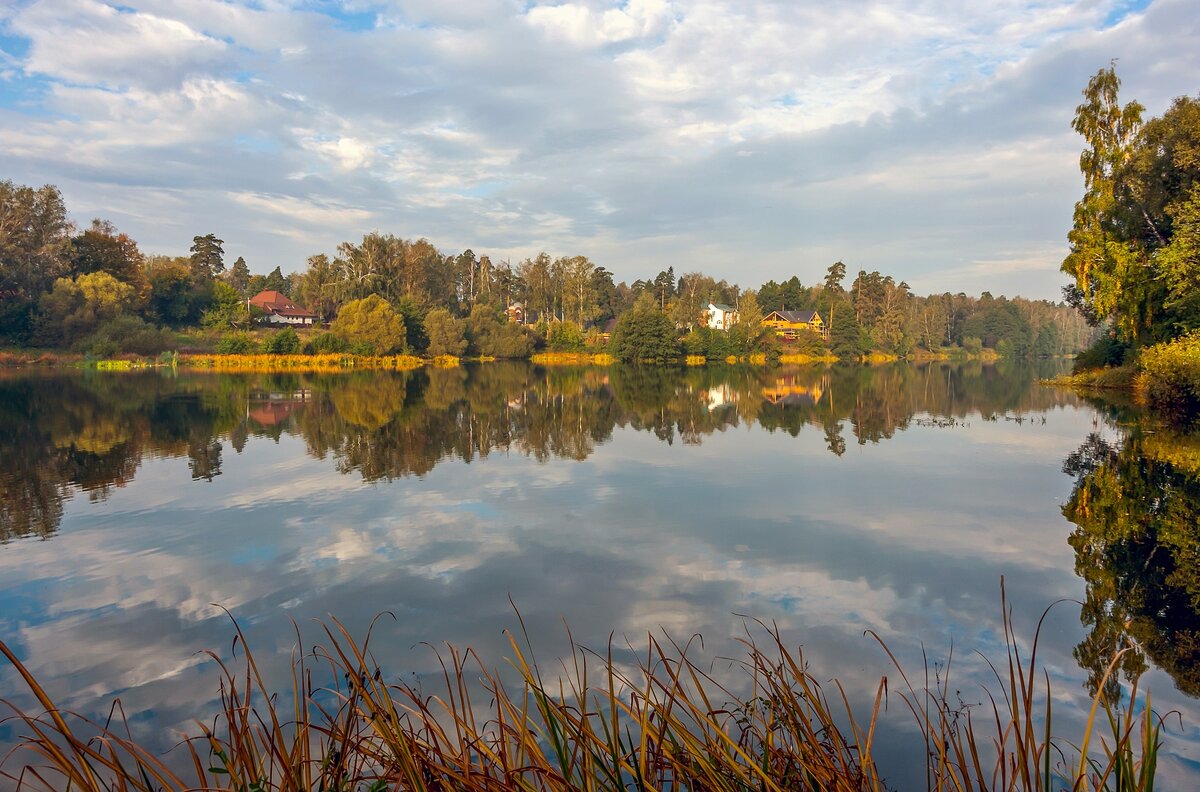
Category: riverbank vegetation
[611,719]
[94,293]
[1135,244]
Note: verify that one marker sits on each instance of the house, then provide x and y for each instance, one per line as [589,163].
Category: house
[789,323]
[516,313]
[721,316]
[281,310]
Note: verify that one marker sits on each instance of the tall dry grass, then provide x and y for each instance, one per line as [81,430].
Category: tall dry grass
[662,723]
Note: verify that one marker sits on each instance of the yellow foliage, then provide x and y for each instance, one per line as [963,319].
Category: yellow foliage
[797,358]
[696,360]
[299,362]
[572,359]
[444,361]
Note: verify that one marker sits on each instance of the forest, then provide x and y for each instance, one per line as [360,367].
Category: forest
[94,292]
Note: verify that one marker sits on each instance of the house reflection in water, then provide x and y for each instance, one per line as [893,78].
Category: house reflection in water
[791,391]
[271,408]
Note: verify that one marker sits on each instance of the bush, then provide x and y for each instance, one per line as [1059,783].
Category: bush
[326,344]
[237,344]
[1105,351]
[371,325]
[1169,376]
[445,334]
[285,342]
[128,333]
[565,337]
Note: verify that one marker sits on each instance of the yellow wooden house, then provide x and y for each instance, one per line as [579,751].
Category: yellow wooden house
[789,323]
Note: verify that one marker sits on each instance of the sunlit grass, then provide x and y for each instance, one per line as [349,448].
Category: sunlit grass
[596,723]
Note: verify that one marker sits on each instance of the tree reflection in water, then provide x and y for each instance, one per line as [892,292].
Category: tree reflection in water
[1136,508]
[68,432]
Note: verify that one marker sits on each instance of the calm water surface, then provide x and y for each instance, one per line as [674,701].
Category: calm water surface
[626,501]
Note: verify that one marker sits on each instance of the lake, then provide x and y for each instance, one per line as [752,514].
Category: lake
[138,508]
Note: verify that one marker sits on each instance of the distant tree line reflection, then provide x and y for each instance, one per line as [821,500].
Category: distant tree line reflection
[69,432]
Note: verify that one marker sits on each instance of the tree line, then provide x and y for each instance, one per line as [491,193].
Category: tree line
[95,291]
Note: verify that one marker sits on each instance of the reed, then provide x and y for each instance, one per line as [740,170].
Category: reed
[662,722]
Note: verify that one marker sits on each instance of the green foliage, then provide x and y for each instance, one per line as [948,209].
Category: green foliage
[645,333]
[565,337]
[1170,374]
[1001,323]
[1106,350]
[325,344]
[129,334]
[447,335]
[489,335]
[285,342]
[371,326]
[415,337]
[845,337]
[238,343]
[76,306]
[226,308]
[238,277]
[207,259]
[174,299]
[34,240]
[972,344]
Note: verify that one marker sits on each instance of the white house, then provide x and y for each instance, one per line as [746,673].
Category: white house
[721,316]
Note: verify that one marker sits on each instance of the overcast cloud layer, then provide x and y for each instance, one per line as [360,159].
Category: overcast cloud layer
[744,138]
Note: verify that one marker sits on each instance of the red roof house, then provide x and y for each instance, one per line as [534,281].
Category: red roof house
[281,310]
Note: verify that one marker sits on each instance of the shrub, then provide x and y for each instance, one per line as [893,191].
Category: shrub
[285,342]
[445,333]
[1169,375]
[128,333]
[565,337]
[237,344]
[370,324]
[326,344]
[1106,350]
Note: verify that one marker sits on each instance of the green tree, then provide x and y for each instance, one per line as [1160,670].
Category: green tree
[101,248]
[238,277]
[370,324]
[208,257]
[76,306]
[227,308]
[1111,279]
[35,246]
[446,333]
[645,333]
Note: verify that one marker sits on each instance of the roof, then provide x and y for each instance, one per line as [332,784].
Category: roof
[796,317]
[279,304]
[720,306]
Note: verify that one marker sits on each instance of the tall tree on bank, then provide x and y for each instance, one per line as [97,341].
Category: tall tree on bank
[1111,277]
[833,288]
[208,257]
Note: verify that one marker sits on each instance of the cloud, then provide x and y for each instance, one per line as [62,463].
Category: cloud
[752,139]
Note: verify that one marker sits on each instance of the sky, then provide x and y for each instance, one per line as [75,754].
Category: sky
[747,139]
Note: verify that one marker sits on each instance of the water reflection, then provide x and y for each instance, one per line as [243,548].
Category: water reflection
[66,432]
[1136,508]
[437,495]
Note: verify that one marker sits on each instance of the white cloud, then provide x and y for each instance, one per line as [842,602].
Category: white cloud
[753,138]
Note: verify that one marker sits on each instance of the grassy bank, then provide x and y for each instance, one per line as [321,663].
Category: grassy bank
[1164,377]
[596,723]
[272,363]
